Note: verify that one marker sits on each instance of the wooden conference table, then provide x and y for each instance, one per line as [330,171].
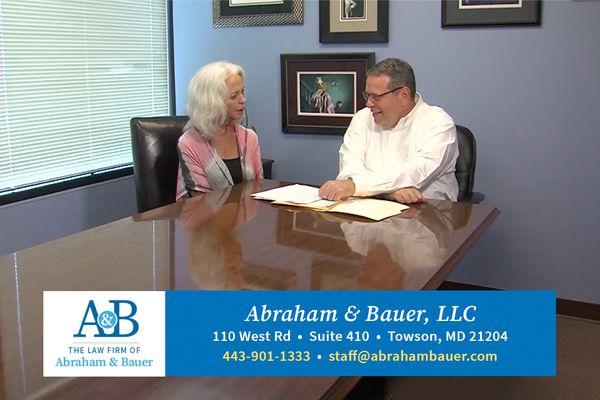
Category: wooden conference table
[224,240]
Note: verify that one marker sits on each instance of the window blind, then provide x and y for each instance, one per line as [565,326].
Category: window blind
[72,75]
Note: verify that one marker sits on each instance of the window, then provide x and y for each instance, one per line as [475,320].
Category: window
[72,75]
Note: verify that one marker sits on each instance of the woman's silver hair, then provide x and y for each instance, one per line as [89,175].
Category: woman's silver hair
[207,92]
[399,71]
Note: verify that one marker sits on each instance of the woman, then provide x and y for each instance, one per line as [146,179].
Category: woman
[215,151]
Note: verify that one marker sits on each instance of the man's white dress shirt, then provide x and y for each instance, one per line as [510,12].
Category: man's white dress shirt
[420,151]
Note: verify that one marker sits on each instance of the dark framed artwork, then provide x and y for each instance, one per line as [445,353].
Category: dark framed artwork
[320,93]
[353,21]
[252,13]
[490,12]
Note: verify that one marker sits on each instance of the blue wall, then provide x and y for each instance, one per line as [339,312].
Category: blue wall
[31,222]
[529,94]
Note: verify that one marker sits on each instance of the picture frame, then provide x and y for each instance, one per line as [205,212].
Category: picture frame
[474,13]
[321,92]
[236,13]
[353,21]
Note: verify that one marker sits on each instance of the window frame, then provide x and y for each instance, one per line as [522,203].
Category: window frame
[106,174]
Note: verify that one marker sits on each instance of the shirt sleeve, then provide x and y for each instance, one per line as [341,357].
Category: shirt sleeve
[252,157]
[256,157]
[435,150]
[193,172]
[353,150]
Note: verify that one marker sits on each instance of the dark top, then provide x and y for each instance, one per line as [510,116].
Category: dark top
[234,166]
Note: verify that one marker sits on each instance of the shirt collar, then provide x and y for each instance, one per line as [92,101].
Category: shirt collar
[406,120]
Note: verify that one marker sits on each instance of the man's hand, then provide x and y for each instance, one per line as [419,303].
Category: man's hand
[409,195]
[337,190]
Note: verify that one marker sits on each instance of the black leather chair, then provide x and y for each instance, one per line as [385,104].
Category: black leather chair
[155,159]
[465,166]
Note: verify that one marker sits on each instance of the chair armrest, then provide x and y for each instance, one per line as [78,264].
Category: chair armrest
[471,197]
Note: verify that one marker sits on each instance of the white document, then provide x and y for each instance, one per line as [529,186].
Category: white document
[308,196]
[297,194]
[370,208]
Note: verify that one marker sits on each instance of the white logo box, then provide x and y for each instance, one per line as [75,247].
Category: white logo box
[141,354]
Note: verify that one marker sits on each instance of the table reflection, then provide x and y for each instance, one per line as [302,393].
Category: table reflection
[222,240]
[215,257]
[407,249]
[402,252]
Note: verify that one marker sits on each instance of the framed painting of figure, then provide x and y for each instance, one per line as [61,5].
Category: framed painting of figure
[320,93]
[353,21]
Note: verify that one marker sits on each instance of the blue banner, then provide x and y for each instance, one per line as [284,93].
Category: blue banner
[381,333]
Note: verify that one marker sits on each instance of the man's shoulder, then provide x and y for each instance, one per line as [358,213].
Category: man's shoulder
[433,117]
[363,116]
[363,113]
[434,113]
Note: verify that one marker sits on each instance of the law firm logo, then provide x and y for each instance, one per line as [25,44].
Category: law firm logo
[109,323]
[104,333]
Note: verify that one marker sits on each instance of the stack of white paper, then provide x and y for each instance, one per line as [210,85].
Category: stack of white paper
[308,197]
[296,194]
[370,208]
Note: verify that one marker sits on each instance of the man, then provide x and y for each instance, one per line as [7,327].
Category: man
[398,146]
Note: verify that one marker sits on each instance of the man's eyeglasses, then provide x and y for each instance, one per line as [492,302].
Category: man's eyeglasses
[376,97]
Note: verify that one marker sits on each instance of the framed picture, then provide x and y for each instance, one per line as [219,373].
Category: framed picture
[321,92]
[490,12]
[353,21]
[257,12]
